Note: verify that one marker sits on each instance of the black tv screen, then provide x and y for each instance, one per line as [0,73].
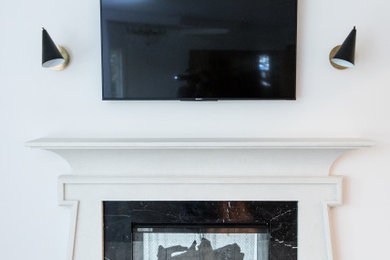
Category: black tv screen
[198,49]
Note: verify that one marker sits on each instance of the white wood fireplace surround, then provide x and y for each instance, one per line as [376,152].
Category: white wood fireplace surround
[200,169]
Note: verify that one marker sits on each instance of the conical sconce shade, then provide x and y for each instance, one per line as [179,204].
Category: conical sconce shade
[345,56]
[51,56]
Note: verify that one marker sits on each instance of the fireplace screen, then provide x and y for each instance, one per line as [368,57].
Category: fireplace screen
[200,230]
[197,242]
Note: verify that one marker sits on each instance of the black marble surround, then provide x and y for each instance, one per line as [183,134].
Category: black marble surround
[279,216]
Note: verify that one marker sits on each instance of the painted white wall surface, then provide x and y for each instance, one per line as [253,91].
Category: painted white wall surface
[36,102]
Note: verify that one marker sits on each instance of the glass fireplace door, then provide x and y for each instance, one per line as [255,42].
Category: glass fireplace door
[200,242]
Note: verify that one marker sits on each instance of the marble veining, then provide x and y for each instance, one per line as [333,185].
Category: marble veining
[279,216]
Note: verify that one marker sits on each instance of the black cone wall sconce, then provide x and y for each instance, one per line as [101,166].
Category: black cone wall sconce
[343,56]
[54,56]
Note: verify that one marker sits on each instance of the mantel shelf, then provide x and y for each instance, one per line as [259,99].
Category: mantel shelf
[199,156]
[197,143]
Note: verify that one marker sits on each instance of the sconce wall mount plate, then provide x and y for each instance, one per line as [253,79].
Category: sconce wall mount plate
[331,55]
[66,56]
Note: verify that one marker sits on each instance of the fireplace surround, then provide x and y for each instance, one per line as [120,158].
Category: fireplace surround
[261,230]
[201,171]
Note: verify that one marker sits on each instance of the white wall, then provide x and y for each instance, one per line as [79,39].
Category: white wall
[40,103]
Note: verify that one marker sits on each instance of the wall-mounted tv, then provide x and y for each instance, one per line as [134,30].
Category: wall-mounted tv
[198,49]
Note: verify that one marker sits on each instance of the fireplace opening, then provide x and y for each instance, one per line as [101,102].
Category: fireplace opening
[196,241]
[200,230]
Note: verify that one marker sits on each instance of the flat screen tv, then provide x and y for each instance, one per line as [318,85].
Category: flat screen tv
[198,49]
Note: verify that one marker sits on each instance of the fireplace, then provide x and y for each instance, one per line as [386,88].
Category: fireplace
[200,230]
[208,199]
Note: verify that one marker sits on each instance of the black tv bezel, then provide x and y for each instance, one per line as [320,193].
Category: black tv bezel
[292,98]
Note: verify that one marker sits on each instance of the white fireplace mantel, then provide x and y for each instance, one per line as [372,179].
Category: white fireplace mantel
[200,157]
[200,169]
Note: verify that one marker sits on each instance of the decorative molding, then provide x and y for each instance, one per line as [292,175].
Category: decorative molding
[113,182]
[77,179]
[74,207]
